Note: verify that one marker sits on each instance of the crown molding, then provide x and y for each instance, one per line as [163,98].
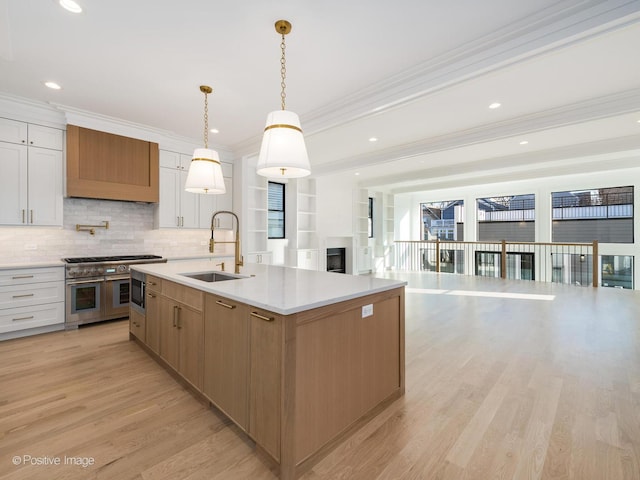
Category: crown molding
[572,114]
[553,28]
[164,138]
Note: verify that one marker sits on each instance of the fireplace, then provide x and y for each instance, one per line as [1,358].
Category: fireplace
[336,260]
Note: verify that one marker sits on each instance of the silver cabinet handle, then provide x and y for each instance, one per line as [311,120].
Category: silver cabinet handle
[179,324]
[22,318]
[31,216]
[151,295]
[262,317]
[23,296]
[20,277]
[178,224]
[225,305]
[175,316]
[23,212]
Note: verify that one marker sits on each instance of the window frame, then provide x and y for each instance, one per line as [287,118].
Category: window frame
[284,211]
[370,217]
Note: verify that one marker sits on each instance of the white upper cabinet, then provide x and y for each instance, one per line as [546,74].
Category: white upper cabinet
[31,184]
[209,204]
[177,208]
[13,131]
[180,209]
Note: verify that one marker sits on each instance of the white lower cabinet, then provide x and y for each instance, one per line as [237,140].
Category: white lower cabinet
[31,301]
[259,257]
[307,259]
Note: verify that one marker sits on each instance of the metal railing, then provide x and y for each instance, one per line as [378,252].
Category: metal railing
[572,263]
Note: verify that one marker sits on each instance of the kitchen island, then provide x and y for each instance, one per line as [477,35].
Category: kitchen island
[298,359]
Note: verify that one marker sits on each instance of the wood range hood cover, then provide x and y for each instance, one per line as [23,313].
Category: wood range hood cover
[112,167]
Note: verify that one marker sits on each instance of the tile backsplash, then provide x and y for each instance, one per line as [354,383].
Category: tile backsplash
[130,232]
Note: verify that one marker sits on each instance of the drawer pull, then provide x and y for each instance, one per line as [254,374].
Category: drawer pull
[23,318]
[151,283]
[262,317]
[23,296]
[20,277]
[151,295]
[225,305]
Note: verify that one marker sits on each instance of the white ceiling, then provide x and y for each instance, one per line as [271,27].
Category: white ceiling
[417,74]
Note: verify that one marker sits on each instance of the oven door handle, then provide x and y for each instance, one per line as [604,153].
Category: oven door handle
[85,281]
[125,277]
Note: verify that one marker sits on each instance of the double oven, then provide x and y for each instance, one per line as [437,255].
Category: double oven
[99,288]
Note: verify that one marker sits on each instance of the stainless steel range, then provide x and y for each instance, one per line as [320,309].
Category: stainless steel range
[98,288]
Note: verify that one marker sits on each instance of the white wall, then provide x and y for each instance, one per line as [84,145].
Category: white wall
[408,216]
[334,204]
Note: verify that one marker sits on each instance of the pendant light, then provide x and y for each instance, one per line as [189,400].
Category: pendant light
[283,153]
[205,171]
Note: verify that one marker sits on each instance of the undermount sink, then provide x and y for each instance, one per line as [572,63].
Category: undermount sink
[210,276]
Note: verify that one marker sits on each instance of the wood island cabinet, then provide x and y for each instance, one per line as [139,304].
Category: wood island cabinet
[226,357]
[152,311]
[297,384]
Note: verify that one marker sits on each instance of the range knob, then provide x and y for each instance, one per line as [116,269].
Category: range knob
[122,268]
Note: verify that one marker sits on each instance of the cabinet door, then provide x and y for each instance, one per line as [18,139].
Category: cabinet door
[207,207]
[152,310]
[265,376]
[45,137]
[226,357]
[13,131]
[191,344]
[225,202]
[188,204]
[169,159]
[169,206]
[45,186]
[13,184]
[168,332]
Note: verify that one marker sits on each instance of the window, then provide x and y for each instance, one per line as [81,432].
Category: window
[370,217]
[603,214]
[443,220]
[510,218]
[276,210]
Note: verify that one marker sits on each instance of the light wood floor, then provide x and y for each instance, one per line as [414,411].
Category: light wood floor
[504,380]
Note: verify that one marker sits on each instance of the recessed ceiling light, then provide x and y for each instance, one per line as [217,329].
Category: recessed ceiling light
[214,130]
[52,85]
[357,173]
[70,5]
[373,139]
[524,142]
[494,105]
[638,121]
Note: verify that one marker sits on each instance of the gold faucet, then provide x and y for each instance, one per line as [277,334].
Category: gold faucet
[239,260]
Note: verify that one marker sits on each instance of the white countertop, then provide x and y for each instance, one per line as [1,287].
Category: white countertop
[52,263]
[277,289]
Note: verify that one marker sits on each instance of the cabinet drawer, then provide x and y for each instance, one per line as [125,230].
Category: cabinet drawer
[186,295]
[153,284]
[13,319]
[23,276]
[36,294]
[137,324]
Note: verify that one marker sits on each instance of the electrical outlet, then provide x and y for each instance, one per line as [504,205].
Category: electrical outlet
[367,310]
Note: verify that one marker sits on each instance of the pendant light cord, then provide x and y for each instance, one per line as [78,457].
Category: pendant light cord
[206,121]
[283,72]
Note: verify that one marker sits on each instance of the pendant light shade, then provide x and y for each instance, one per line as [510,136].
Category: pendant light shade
[283,153]
[205,171]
